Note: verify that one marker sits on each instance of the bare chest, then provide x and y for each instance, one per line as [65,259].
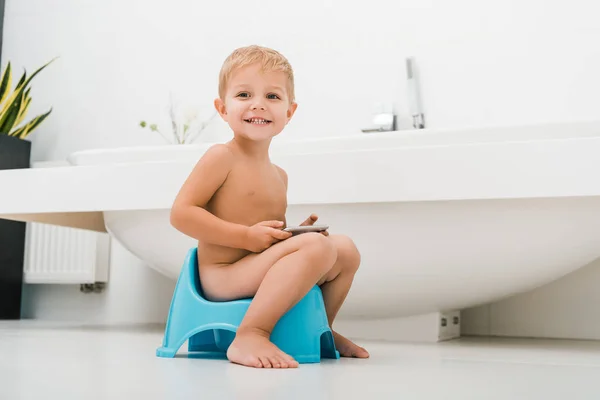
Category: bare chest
[251,195]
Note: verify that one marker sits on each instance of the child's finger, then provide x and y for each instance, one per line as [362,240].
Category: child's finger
[310,220]
[272,224]
[280,234]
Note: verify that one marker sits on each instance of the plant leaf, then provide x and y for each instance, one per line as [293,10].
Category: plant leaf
[10,102]
[7,121]
[23,111]
[13,112]
[38,71]
[34,124]
[5,83]
[22,80]
[21,131]
[24,108]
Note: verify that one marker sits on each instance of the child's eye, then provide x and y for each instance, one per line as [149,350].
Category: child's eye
[272,96]
[243,94]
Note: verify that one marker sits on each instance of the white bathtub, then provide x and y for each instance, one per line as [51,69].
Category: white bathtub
[444,219]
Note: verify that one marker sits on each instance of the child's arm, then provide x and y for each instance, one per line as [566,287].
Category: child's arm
[284,178]
[188,213]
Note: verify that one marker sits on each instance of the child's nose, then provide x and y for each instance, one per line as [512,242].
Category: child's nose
[258,105]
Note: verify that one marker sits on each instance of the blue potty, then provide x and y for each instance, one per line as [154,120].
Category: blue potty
[303,332]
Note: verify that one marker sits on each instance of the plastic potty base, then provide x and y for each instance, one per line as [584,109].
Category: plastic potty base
[327,351]
[209,327]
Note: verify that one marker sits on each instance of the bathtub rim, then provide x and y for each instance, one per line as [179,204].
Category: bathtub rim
[493,134]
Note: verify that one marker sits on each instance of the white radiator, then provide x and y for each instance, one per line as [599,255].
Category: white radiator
[57,254]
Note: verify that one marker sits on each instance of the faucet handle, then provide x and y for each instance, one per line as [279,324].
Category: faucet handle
[384,118]
[382,123]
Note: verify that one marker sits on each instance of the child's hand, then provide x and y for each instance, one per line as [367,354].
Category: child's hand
[311,221]
[263,235]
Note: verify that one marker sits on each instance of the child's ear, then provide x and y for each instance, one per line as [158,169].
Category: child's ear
[291,110]
[221,109]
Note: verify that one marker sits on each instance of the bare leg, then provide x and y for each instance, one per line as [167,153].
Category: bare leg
[335,286]
[277,278]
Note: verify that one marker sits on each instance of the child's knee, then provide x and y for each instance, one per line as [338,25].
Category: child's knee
[320,248]
[347,253]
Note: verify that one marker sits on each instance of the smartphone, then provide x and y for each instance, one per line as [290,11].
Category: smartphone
[296,230]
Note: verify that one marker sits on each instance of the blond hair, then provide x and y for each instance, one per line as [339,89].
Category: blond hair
[269,59]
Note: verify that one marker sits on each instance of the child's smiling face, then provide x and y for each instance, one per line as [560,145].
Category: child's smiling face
[256,104]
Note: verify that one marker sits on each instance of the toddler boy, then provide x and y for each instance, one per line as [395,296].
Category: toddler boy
[234,204]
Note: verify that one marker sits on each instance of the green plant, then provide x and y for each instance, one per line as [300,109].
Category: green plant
[185,125]
[14,106]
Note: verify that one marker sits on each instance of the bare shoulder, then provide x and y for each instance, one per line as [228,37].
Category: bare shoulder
[220,153]
[207,176]
[218,160]
[214,165]
[282,173]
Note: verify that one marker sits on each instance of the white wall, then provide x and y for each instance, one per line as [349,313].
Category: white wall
[481,63]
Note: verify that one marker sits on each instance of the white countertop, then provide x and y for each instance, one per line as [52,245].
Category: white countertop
[77,195]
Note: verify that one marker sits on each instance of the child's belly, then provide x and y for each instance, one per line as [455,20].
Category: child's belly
[237,211]
[212,254]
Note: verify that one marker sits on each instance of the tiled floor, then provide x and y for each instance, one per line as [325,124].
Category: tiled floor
[49,361]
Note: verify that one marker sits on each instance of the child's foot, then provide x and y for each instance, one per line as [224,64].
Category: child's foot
[254,349]
[347,348]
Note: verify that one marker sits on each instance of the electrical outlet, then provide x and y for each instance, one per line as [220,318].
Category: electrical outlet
[449,327]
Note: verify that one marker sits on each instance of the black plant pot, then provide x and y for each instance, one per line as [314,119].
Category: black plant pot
[14,153]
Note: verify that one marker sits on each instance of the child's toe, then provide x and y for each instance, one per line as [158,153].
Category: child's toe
[265,362]
[274,362]
[360,352]
[278,362]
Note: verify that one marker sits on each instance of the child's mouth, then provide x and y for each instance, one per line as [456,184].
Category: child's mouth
[258,121]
